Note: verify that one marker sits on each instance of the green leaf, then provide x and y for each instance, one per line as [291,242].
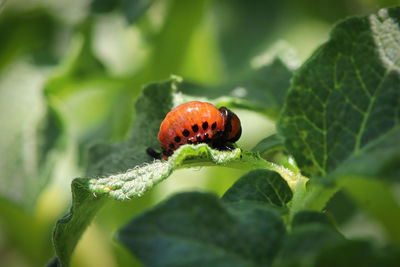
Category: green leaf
[302,246]
[268,144]
[32,135]
[310,217]
[137,181]
[88,193]
[244,28]
[358,253]
[30,32]
[132,9]
[151,108]
[335,205]
[261,186]
[378,199]
[197,229]
[111,159]
[124,171]
[346,97]
[102,6]
[97,105]
[262,89]
[314,241]
[380,159]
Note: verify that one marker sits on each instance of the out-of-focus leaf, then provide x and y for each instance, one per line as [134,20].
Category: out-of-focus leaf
[346,97]
[197,229]
[18,224]
[310,217]
[268,144]
[31,135]
[132,9]
[79,64]
[96,105]
[314,241]
[31,32]
[261,186]
[261,90]
[377,198]
[102,6]
[302,246]
[358,253]
[336,205]
[243,29]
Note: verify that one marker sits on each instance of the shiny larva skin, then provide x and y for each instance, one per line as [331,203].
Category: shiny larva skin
[198,122]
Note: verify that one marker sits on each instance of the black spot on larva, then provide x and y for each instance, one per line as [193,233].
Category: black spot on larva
[220,133]
[177,139]
[198,137]
[165,152]
[206,138]
[195,128]
[213,126]
[170,151]
[189,142]
[185,133]
[171,145]
[205,125]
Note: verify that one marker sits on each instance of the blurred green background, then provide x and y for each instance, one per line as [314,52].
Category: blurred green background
[70,71]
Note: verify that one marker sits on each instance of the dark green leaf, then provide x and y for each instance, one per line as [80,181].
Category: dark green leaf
[358,253]
[133,9]
[310,217]
[379,159]
[302,246]
[121,170]
[196,229]
[102,6]
[268,144]
[346,97]
[30,32]
[260,186]
[243,29]
[336,204]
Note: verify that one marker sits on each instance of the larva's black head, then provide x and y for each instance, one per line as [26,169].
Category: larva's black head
[233,128]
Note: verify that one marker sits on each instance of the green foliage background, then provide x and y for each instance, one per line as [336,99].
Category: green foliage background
[71,71]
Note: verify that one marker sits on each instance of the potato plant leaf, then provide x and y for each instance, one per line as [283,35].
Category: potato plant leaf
[379,159]
[302,246]
[346,97]
[198,229]
[240,31]
[310,217]
[357,253]
[31,140]
[123,170]
[260,186]
[132,9]
[268,144]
